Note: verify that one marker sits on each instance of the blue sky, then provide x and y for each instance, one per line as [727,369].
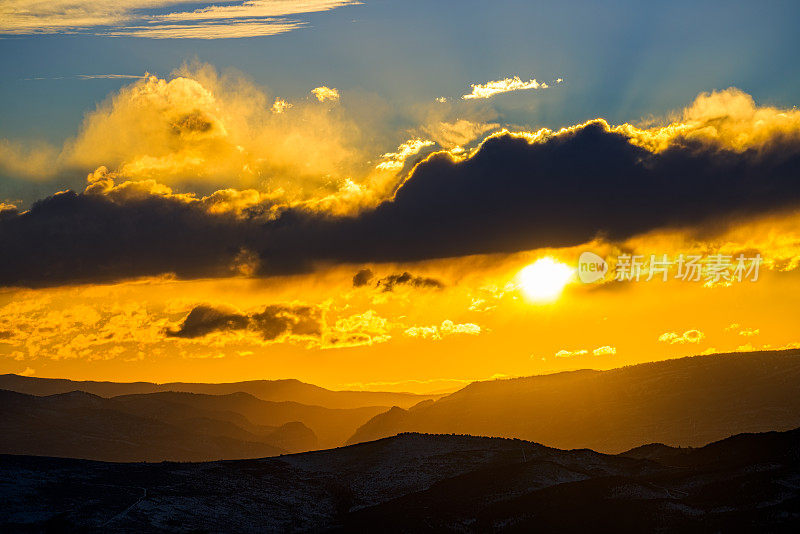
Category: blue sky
[619,60]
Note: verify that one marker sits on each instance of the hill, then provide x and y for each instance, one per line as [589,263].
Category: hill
[168,426]
[331,425]
[682,402]
[418,483]
[268,390]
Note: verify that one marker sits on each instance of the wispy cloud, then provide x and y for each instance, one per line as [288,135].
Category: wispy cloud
[92,77]
[137,18]
[690,336]
[605,350]
[506,85]
[232,29]
[447,328]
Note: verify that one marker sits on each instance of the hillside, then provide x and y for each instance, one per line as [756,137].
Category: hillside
[418,483]
[332,426]
[268,390]
[168,426]
[86,426]
[682,402]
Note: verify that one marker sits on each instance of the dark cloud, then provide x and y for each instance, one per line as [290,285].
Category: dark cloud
[71,237]
[362,277]
[271,324]
[203,320]
[511,195]
[277,320]
[388,283]
[7,211]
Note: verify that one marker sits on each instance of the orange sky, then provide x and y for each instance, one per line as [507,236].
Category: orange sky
[479,325]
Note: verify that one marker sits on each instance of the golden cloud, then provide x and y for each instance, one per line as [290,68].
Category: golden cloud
[136,18]
[728,119]
[447,328]
[506,85]
[326,94]
[690,336]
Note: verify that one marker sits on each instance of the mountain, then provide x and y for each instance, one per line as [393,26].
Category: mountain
[269,390]
[168,426]
[682,402]
[82,425]
[418,483]
[331,426]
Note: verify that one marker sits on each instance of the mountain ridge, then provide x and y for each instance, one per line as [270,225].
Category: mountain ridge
[418,483]
[682,402]
[168,426]
[268,390]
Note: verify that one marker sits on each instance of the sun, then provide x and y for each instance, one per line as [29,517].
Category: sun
[544,279]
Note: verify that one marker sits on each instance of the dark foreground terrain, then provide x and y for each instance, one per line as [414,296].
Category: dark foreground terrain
[415,482]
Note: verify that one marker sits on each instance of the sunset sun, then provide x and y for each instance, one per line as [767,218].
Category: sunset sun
[544,279]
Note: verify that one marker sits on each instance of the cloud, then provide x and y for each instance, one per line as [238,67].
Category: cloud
[274,323]
[446,329]
[605,350]
[282,323]
[277,320]
[91,77]
[366,328]
[37,327]
[516,191]
[690,336]
[280,105]
[209,30]
[197,127]
[742,331]
[145,18]
[109,76]
[362,277]
[203,320]
[506,85]
[324,94]
[33,161]
[458,133]
[563,353]
[748,332]
[396,160]
[388,283]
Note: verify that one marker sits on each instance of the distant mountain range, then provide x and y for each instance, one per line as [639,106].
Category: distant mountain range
[687,401]
[682,402]
[168,426]
[268,390]
[421,483]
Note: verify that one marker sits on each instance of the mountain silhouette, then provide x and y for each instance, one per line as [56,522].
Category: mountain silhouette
[682,402]
[168,426]
[268,390]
